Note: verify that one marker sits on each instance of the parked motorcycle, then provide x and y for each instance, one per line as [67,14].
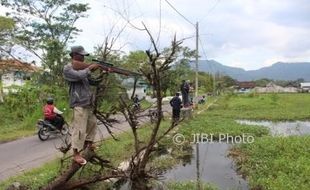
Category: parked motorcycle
[136,106]
[46,129]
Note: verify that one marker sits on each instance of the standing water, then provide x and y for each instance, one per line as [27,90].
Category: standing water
[214,167]
[282,128]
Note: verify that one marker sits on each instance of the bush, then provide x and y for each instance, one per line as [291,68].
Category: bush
[24,104]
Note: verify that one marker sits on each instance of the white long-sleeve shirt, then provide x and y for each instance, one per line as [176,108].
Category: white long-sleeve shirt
[57,111]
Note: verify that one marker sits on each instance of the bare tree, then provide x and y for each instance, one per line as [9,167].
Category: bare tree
[158,63]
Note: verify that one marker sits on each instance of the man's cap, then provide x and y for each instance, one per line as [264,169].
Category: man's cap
[79,50]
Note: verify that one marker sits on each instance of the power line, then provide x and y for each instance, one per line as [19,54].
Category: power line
[157,40]
[205,54]
[210,10]
[179,13]
[212,70]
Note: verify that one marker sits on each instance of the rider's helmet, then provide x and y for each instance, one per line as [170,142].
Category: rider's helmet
[50,100]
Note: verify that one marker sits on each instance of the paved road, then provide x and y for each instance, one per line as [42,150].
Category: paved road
[24,154]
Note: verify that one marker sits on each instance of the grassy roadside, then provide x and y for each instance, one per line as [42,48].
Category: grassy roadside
[275,162]
[270,154]
[11,128]
[20,111]
[273,107]
[271,162]
[118,151]
[189,185]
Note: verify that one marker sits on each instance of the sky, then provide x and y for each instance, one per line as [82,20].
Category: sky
[249,34]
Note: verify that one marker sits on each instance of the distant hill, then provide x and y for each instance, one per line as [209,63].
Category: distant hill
[277,71]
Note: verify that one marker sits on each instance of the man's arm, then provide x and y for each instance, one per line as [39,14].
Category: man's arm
[75,75]
[57,111]
[171,101]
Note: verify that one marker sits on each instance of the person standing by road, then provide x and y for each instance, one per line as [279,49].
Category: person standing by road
[81,101]
[176,105]
[185,93]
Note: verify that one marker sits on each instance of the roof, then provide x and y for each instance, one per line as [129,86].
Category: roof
[304,84]
[246,85]
[17,65]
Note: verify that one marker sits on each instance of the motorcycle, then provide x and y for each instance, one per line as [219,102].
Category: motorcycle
[46,129]
[136,106]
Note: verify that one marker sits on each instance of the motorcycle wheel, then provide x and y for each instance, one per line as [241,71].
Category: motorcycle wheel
[43,134]
[64,130]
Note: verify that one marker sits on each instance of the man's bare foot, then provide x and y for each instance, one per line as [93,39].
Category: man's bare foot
[79,159]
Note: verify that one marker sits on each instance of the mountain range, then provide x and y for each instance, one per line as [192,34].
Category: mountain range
[277,71]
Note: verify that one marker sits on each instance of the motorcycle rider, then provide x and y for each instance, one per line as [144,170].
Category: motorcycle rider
[52,114]
[136,102]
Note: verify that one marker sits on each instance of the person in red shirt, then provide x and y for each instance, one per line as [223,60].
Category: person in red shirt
[52,114]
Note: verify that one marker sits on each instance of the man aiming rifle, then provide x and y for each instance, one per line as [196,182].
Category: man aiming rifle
[82,99]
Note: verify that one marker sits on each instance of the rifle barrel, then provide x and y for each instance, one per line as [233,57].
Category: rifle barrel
[109,67]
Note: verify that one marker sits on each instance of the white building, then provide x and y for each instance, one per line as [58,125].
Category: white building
[305,86]
[13,72]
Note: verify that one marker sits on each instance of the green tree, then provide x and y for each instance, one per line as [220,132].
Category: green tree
[222,83]
[135,60]
[181,70]
[7,28]
[45,28]
[262,82]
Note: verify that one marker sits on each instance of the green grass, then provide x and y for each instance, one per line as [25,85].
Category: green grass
[216,126]
[264,107]
[12,129]
[20,111]
[270,163]
[275,162]
[145,104]
[36,177]
[189,185]
[115,151]
[212,122]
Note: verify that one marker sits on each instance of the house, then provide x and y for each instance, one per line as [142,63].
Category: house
[245,86]
[273,88]
[14,72]
[305,86]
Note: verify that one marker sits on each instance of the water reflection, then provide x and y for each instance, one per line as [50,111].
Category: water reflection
[214,167]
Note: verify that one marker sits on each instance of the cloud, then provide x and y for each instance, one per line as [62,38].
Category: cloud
[249,34]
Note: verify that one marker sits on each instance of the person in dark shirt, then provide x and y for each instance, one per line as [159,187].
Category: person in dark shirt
[82,102]
[136,102]
[185,93]
[176,105]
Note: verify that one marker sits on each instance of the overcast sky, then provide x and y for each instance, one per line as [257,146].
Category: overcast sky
[243,33]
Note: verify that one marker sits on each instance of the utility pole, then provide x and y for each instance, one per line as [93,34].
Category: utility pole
[198,166]
[214,84]
[197,53]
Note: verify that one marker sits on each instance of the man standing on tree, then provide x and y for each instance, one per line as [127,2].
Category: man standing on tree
[82,102]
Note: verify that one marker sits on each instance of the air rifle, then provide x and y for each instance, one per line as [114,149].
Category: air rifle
[110,68]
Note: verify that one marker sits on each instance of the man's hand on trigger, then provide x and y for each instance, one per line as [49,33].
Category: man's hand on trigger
[93,66]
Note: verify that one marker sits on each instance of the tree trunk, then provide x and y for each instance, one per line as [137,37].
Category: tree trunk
[62,179]
[1,93]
